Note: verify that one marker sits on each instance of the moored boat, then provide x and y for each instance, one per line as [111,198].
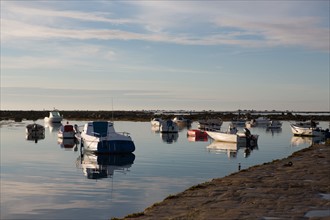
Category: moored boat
[233,136]
[274,124]
[169,126]
[35,129]
[304,130]
[67,131]
[101,137]
[156,122]
[54,117]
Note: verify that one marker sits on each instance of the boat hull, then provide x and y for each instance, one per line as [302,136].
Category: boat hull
[109,146]
[307,131]
[239,138]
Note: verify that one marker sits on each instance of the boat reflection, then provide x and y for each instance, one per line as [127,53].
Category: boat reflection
[68,144]
[230,148]
[35,137]
[155,129]
[53,127]
[98,166]
[197,138]
[274,130]
[169,138]
[301,140]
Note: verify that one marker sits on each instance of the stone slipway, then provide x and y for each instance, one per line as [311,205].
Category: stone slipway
[297,187]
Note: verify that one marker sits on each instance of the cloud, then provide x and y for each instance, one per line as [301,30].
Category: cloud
[175,23]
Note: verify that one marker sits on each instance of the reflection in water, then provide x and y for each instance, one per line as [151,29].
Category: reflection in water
[230,148]
[155,129]
[299,140]
[197,138]
[35,137]
[68,143]
[274,130]
[53,127]
[169,137]
[183,125]
[103,165]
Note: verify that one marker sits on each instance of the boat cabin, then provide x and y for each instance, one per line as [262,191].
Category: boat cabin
[99,128]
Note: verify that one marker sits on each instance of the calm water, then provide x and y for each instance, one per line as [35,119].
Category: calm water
[46,180]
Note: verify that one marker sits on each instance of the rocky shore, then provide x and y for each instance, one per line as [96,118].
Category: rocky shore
[148,115]
[297,187]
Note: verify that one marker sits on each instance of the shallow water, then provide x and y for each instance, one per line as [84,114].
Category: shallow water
[46,180]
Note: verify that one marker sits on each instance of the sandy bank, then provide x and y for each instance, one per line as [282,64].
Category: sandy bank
[297,187]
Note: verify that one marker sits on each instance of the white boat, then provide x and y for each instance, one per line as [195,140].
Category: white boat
[233,136]
[303,130]
[169,126]
[274,124]
[156,122]
[67,131]
[54,117]
[101,137]
[181,120]
[261,121]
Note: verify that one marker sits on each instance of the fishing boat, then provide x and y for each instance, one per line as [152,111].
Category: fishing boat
[54,117]
[35,129]
[169,126]
[260,121]
[274,124]
[156,122]
[304,130]
[101,137]
[67,131]
[232,135]
[34,132]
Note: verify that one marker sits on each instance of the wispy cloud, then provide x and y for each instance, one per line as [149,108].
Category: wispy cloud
[168,22]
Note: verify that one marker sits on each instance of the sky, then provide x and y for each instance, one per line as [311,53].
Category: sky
[165,55]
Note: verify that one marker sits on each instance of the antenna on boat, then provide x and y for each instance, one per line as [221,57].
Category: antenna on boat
[112,110]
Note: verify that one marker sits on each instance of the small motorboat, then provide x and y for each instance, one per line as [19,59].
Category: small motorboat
[35,129]
[35,132]
[305,130]
[67,131]
[232,135]
[169,126]
[156,122]
[101,137]
[54,117]
[274,124]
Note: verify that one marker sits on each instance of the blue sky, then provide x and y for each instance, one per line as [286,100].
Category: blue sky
[170,55]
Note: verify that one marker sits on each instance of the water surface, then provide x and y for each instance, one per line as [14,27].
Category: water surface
[49,179]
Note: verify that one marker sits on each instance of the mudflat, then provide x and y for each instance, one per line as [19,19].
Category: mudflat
[297,187]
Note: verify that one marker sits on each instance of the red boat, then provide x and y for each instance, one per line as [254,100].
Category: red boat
[197,133]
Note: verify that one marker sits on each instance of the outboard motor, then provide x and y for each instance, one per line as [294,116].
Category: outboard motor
[247,132]
[248,137]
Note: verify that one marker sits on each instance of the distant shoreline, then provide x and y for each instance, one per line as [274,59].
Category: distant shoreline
[19,115]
